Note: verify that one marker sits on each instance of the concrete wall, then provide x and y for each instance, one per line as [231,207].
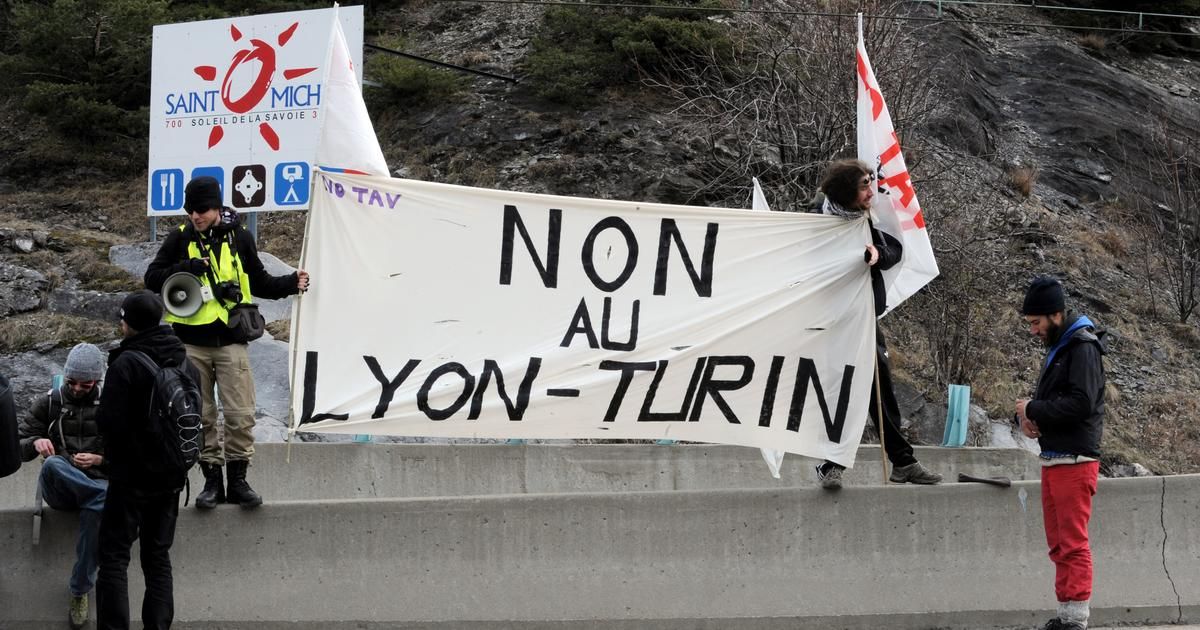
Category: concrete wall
[954,556]
[359,471]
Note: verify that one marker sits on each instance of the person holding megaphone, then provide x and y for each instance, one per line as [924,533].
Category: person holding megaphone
[207,272]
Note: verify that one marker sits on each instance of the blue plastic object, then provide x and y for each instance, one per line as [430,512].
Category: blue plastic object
[958,406]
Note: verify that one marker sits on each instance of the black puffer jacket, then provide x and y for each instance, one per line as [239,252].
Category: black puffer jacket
[174,252]
[1068,407]
[890,252]
[125,405]
[69,423]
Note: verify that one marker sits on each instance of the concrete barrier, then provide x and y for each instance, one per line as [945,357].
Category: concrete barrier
[903,557]
[367,471]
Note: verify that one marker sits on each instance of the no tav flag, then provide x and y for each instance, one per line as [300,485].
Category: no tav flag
[348,142]
[895,209]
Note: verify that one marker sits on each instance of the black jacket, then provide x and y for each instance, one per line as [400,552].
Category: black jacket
[890,253]
[10,445]
[1068,407]
[125,405]
[69,424]
[174,252]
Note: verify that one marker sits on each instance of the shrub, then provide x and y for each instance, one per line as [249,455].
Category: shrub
[580,51]
[77,112]
[405,82]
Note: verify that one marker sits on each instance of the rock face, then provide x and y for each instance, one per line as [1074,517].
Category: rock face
[103,307]
[20,289]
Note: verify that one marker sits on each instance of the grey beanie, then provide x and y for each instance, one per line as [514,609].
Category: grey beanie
[85,363]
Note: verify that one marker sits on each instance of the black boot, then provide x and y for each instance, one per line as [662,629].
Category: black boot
[240,492]
[214,487]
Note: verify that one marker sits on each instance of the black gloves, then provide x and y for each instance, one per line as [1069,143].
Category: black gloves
[195,266]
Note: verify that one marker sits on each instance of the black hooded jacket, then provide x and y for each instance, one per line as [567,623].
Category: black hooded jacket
[125,405]
[1068,407]
[173,255]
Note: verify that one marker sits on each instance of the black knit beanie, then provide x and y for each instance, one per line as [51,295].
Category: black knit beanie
[202,194]
[142,310]
[1045,296]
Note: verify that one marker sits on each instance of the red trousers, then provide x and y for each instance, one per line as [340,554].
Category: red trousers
[1067,492]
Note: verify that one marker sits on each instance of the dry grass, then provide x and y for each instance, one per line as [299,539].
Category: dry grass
[1022,178]
[1093,41]
[26,331]
[471,58]
[97,274]
[466,169]
[1113,241]
[1168,428]
[282,235]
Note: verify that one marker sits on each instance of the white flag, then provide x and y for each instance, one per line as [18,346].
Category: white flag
[348,143]
[895,209]
[758,199]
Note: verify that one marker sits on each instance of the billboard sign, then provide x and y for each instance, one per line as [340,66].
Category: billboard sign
[238,99]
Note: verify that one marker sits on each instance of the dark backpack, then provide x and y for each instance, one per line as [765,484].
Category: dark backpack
[171,442]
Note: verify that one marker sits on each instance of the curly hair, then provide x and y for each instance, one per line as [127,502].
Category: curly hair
[841,180]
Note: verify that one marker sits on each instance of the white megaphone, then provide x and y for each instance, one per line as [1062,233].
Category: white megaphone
[183,295]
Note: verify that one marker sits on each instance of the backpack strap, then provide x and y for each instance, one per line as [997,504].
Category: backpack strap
[145,360]
[55,420]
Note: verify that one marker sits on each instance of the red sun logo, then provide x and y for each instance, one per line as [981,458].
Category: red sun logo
[264,54]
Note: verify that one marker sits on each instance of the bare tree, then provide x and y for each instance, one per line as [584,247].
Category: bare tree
[974,227]
[779,103]
[1171,204]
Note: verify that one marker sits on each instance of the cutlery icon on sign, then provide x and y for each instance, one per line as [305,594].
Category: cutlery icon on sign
[165,183]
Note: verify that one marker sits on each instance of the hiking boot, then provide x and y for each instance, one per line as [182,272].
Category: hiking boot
[914,473]
[240,492]
[214,487]
[830,476]
[78,612]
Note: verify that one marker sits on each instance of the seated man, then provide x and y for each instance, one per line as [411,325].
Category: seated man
[61,427]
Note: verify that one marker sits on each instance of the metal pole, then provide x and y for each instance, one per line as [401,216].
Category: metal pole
[153,228]
[252,224]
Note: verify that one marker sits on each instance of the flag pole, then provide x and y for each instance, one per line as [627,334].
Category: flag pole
[295,328]
[883,463]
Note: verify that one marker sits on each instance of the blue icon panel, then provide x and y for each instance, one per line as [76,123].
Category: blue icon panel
[291,184]
[216,172]
[166,189]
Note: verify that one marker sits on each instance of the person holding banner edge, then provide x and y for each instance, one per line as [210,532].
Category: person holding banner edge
[846,190]
[221,254]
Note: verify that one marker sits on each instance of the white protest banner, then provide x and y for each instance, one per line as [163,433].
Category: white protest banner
[237,99]
[896,209]
[440,310]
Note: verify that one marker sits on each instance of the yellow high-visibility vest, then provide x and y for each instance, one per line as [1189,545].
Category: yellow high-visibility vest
[226,266]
